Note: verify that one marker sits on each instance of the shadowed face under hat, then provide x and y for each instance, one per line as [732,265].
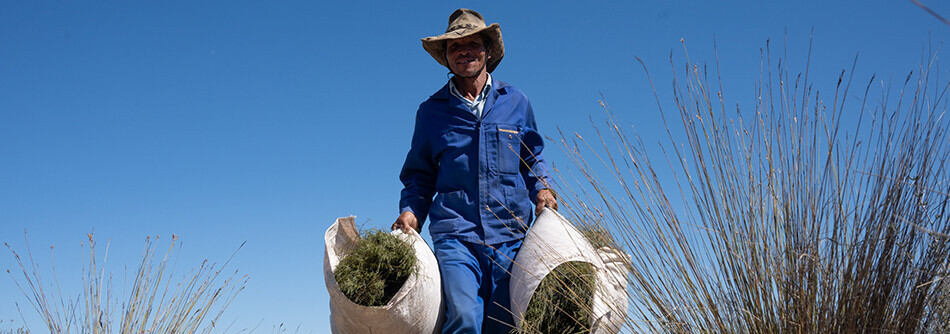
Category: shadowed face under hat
[463,23]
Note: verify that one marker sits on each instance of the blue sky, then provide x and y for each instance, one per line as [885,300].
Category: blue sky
[230,121]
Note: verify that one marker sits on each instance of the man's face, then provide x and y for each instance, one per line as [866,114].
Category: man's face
[466,56]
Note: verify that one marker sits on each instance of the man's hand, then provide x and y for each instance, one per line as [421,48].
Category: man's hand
[407,220]
[545,198]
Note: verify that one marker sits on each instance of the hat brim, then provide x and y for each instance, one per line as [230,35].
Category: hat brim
[435,45]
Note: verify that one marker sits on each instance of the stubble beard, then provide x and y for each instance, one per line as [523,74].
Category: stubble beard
[474,75]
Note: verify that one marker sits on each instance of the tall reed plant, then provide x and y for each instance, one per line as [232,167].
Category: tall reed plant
[159,301]
[823,206]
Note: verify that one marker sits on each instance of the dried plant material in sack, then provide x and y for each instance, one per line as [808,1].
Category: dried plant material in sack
[552,242]
[375,269]
[562,302]
[415,307]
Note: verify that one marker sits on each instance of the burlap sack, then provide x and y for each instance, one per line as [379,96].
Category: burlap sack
[416,308]
[552,241]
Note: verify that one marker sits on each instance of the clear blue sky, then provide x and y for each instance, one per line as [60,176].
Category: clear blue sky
[234,120]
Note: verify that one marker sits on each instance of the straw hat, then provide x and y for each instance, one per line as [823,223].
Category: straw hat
[462,23]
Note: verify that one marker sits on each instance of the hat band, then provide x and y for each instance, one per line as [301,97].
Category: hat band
[462,26]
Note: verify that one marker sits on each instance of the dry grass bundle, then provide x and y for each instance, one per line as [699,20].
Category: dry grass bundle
[823,213]
[372,272]
[158,302]
[562,302]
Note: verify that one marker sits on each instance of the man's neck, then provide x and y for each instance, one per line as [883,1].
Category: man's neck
[471,87]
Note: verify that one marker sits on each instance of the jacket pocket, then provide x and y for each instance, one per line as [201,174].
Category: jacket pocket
[509,149]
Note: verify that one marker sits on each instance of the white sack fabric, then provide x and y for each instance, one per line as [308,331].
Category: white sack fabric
[416,307]
[552,241]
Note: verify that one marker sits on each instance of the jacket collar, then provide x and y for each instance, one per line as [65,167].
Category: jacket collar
[498,88]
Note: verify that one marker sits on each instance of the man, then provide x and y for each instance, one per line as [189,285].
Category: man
[477,150]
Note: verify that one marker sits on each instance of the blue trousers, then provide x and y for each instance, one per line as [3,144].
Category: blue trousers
[475,285]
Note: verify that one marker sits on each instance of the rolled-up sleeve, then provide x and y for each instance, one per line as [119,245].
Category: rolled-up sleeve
[418,173]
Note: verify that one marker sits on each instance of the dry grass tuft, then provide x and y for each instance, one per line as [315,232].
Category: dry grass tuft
[8,327]
[158,301]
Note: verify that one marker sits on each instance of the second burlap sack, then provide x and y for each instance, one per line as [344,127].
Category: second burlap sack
[552,241]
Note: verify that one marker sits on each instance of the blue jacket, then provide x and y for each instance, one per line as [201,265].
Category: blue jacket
[485,174]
